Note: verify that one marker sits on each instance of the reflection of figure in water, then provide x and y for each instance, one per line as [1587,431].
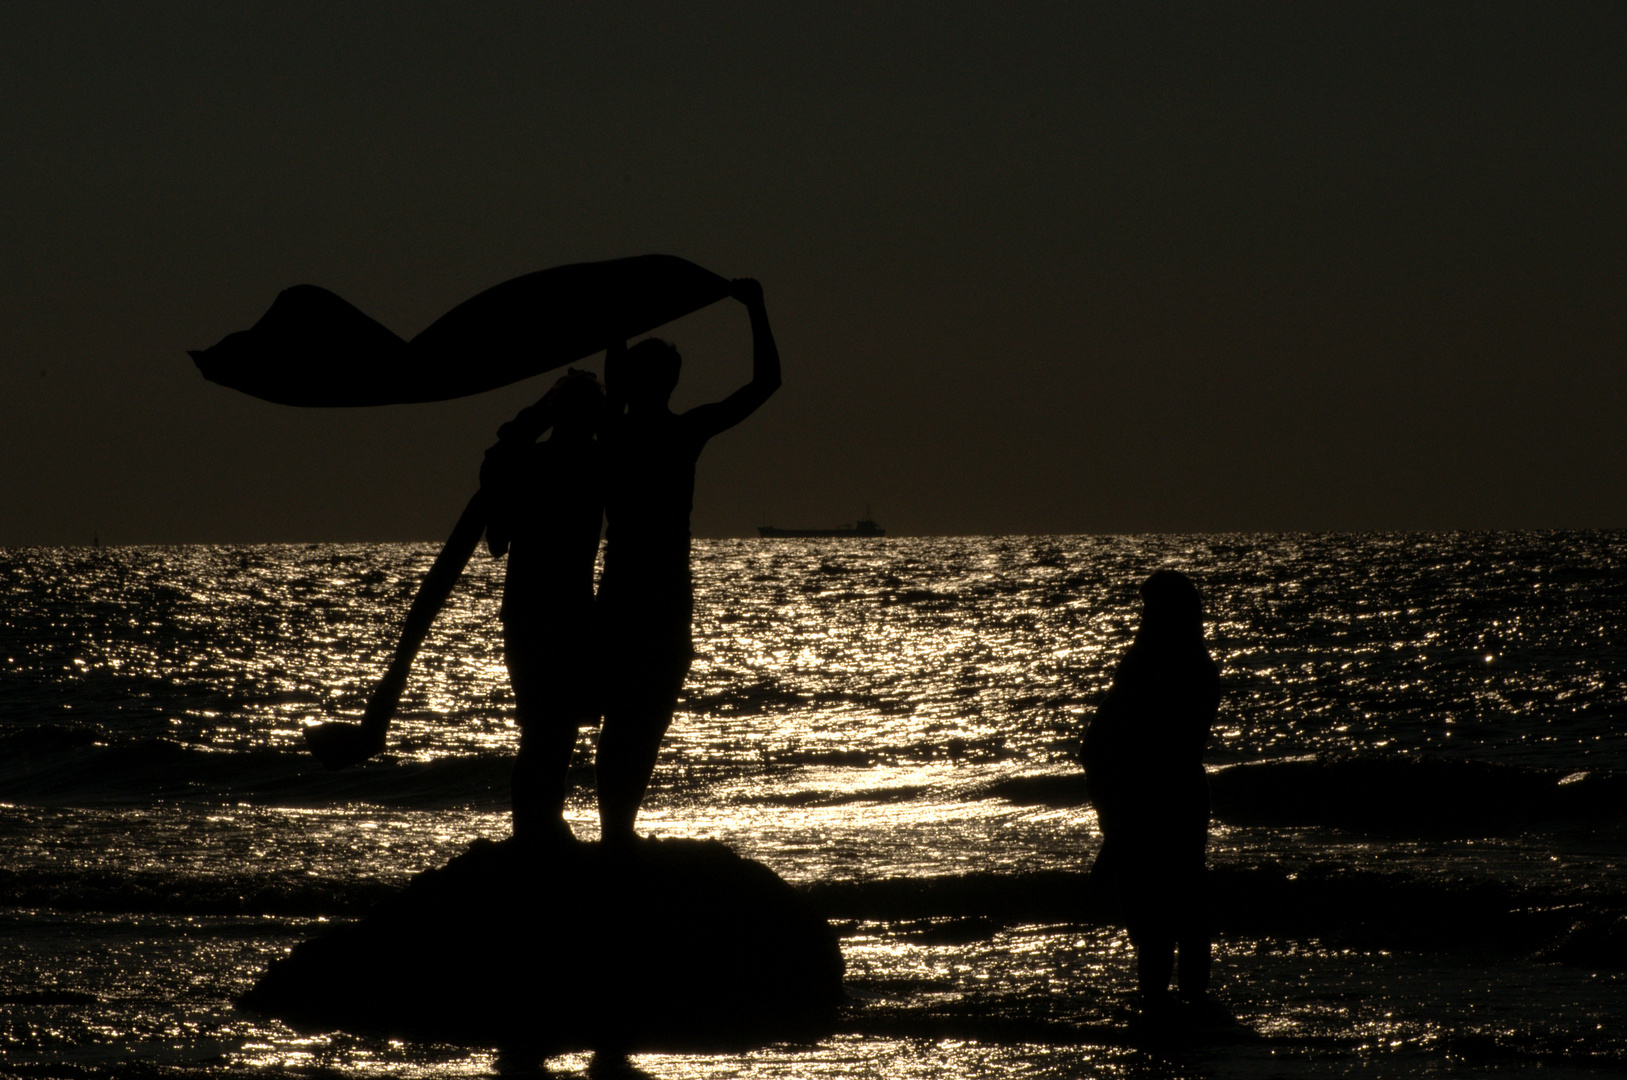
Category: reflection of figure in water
[1144,771]
[545,506]
[645,596]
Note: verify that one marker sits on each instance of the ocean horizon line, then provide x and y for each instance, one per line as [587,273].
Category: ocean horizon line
[97,543]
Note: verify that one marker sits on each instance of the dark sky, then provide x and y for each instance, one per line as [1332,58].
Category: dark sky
[1034,268]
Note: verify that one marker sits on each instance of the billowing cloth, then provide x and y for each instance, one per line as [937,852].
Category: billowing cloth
[313,348]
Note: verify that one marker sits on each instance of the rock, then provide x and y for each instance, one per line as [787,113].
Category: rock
[678,945]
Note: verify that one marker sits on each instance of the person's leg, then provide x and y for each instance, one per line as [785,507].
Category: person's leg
[547,740]
[1194,931]
[637,715]
[623,764]
[538,794]
[1155,962]
[1194,972]
[1143,889]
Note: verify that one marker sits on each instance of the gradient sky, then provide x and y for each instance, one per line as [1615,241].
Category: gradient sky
[1034,268]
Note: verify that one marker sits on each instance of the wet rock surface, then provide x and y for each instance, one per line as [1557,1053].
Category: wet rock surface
[678,944]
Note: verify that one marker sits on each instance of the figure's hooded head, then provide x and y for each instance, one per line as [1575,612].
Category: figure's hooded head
[650,372]
[1170,600]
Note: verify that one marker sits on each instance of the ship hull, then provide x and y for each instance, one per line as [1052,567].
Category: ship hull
[864,529]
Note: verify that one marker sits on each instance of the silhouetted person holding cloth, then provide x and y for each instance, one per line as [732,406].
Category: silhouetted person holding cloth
[546,505]
[1143,756]
[645,594]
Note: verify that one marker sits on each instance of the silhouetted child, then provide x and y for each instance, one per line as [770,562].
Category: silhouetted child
[645,594]
[545,507]
[1143,757]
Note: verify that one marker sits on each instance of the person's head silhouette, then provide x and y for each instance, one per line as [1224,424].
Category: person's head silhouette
[578,405]
[1170,602]
[650,372]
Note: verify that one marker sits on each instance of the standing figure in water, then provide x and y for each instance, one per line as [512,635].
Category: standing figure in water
[1143,757]
[545,506]
[645,594]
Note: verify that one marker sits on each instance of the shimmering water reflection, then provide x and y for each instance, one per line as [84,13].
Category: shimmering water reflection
[873,720]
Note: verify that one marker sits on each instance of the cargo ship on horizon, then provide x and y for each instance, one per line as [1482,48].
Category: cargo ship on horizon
[862,527]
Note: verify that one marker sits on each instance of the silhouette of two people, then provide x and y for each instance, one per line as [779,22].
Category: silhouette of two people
[622,456]
[1143,755]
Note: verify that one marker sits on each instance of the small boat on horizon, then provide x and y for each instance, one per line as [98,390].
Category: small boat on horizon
[862,527]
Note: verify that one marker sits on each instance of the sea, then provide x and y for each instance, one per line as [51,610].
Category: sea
[1419,776]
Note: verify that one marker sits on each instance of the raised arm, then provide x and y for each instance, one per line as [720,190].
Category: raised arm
[765,367]
[498,471]
[528,424]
